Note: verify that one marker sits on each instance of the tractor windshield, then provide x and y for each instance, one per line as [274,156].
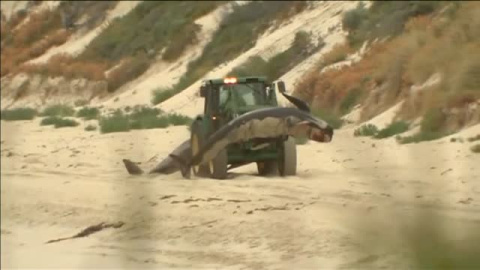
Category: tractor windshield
[243,95]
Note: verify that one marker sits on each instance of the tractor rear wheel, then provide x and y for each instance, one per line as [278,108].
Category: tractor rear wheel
[287,165]
[197,139]
[219,165]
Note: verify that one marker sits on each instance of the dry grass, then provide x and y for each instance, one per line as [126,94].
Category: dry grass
[329,88]
[66,66]
[440,43]
[129,69]
[337,54]
[41,32]
[38,25]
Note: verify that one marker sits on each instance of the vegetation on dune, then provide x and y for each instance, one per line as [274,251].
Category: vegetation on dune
[392,129]
[18,114]
[88,113]
[415,50]
[237,33]
[431,128]
[383,19]
[58,122]
[23,40]
[281,63]
[367,130]
[129,42]
[474,138]
[140,118]
[118,122]
[65,65]
[90,128]
[161,94]
[370,130]
[150,26]
[475,148]
[58,110]
[33,38]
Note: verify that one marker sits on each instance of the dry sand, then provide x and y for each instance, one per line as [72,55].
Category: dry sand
[55,183]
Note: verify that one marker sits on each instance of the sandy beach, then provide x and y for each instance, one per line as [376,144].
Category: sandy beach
[57,182]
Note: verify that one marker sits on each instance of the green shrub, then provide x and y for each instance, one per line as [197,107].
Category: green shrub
[350,100]
[352,19]
[18,114]
[90,128]
[421,136]
[368,130]
[474,138]
[179,120]
[160,95]
[279,64]
[149,122]
[383,19]
[180,41]
[118,122]
[88,113]
[143,111]
[392,129]
[58,122]
[150,26]
[475,148]
[65,123]
[48,121]
[432,121]
[141,118]
[58,110]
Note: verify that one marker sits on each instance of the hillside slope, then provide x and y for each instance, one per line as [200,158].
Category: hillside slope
[326,52]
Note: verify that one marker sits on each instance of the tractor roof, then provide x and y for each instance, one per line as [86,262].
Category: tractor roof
[238,80]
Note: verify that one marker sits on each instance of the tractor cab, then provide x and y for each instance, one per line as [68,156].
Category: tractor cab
[230,97]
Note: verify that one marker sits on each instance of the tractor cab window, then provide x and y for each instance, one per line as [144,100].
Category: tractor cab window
[250,94]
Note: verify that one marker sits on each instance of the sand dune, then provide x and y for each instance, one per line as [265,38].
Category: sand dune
[318,20]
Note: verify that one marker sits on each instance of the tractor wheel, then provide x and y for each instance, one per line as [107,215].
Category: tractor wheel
[219,165]
[197,139]
[287,164]
[269,167]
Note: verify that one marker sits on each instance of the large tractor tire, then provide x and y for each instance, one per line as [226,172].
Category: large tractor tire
[197,139]
[269,167]
[287,164]
[219,165]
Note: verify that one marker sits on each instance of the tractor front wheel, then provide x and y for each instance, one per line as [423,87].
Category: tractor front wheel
[287,164]
[197,139]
